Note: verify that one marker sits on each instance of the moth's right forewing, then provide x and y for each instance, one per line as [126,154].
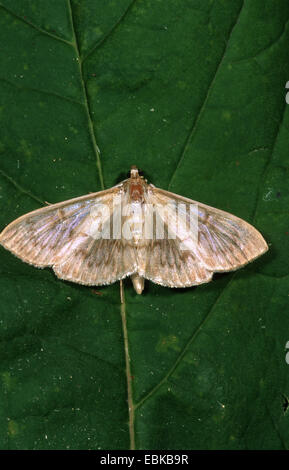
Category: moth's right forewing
[224,241]
[49,235]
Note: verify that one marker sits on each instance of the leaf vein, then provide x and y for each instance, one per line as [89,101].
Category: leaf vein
[110,31]
[85,95]
[197,119]
[34,26]
[20,188]
[186,347]
[37,90]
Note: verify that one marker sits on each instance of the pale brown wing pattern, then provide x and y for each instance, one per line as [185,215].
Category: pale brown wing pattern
[162,262]
[59,235]
[98,262]
[48,235]
[225,242]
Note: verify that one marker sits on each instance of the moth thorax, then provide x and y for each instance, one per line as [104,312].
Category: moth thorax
[136,191]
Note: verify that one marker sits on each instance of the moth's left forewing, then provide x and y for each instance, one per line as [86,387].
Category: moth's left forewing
[224,241]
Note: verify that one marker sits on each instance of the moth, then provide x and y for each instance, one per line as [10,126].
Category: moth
[133,229]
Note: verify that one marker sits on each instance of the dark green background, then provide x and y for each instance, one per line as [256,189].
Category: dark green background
[193,92]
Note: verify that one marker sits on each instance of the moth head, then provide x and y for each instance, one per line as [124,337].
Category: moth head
[135,172]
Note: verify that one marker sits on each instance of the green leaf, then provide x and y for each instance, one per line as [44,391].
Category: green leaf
[193,92]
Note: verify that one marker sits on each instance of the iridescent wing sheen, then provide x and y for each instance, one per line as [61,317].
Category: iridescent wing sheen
[224,242]
[61,236]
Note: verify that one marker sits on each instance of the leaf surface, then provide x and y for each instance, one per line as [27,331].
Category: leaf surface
[192,92]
